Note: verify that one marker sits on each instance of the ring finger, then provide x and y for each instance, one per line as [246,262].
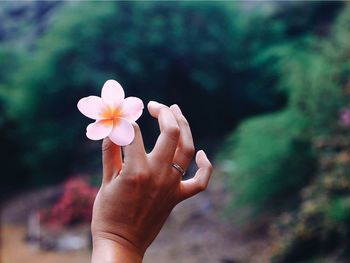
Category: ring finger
[185,148]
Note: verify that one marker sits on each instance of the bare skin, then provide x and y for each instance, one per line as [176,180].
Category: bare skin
[137,195]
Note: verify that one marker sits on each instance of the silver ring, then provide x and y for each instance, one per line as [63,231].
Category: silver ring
[179,168]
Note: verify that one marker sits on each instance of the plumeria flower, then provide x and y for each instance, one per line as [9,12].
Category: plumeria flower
[113,114]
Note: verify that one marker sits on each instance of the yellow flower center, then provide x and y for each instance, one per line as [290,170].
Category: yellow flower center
[112,114]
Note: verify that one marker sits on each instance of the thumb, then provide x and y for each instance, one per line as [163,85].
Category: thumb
[111,160]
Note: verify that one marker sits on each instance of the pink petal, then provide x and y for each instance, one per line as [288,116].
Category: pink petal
[123,132]
[99,129]
[92,107]
[132,108]
[112,93]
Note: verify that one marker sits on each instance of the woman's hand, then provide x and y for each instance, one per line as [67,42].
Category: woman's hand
[136,197]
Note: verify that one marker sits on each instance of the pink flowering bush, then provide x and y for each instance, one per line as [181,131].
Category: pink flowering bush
[74,206]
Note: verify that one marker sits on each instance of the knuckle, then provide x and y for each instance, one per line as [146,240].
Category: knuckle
[210,168]
[159,184]
[172,131]
[202,186]
[137,177]
[136,127]
[184,121]
[142,176]
[106,145]
[188,151]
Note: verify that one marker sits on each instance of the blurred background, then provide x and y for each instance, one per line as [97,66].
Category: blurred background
[264,85]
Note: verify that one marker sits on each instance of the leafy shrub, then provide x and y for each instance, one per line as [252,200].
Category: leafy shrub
[272,160]
[272,153]
[184,48]
[339,210]
[319,227]
[315,87]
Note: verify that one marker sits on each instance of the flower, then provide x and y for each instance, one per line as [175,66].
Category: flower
[113,114]
[345,117]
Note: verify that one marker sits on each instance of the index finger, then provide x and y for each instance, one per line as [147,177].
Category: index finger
[111,160]
[167,141]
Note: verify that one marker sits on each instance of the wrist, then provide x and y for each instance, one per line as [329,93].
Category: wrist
[108,248]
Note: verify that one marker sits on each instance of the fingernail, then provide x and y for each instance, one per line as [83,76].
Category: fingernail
[153,102]
[176,109]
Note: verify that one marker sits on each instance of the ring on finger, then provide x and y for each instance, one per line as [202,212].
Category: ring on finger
[179,168]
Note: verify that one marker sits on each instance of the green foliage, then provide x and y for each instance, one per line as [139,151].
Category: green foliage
[158,51]
[272,153]
[320,225]
[339,210]
[9,128]
[219,61]
[170,55]
[263,149]
[317,76]
[312,80]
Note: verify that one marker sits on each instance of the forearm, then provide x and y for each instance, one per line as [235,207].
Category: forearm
[111,251]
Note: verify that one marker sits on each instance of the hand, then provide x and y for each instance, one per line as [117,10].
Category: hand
[137,196]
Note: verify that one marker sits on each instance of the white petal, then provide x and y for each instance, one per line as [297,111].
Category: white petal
[123,132]
[132,108]
[99,129]
[112,93]
[92,107]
